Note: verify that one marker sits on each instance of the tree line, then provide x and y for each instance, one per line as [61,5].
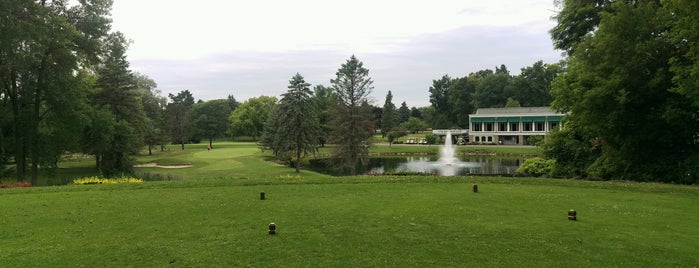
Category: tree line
[628,84]
[66,87]
[453,99]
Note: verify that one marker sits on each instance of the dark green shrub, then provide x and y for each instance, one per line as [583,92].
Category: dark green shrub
[537,166]
[431,139]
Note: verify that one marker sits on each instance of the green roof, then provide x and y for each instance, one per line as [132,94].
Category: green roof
[533,118]
[482,119]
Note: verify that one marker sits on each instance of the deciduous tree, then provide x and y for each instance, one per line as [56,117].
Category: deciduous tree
[232,102]
[250,117]
[460,99]
[620,91]
[323,97]
[414,125]
[154,108]
[42,47]
[210,119]
[533,85]
[176,111]
[492,91]
[439,100]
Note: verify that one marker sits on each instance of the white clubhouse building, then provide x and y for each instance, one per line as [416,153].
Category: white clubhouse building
[512,125]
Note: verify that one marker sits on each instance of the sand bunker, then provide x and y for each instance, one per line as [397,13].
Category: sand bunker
[156,165]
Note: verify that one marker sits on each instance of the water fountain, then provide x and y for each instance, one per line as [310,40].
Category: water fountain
[448,164]
[446,153]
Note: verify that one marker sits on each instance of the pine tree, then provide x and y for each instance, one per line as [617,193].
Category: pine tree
[119,97]
[293,129]
[351,125]
[403,113]
[388,116]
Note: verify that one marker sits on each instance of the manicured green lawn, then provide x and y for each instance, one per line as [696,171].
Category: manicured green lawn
[212,217]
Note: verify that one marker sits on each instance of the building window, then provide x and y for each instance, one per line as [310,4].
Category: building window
[477,127]
[514,126]
[478,139]
[539,126]
[527,126]
[553,125]
[502,127]
[488,126]
[490,139]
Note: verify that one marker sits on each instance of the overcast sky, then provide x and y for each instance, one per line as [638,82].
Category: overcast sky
[215,48]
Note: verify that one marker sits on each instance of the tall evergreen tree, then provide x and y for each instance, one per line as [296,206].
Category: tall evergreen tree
[119,96]
[403,113]
[295,127]
[352,122]
[388,117]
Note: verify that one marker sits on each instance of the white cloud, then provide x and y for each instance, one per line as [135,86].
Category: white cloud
[252,48]
[195,29]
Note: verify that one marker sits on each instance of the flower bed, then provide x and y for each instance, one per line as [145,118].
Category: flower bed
[16,184]
[99,180]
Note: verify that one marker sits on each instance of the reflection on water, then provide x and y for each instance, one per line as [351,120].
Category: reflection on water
[432,165]
[465,166]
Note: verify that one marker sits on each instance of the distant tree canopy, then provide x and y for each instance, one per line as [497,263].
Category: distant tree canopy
[630,89]
[177,111]
[323,98]
[232,102]
[209,119]
[155,127]
[249,118]
[414,125]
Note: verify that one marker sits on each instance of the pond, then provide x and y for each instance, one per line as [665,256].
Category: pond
[462,166]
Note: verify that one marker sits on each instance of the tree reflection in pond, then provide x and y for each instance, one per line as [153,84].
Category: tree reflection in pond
[429,165]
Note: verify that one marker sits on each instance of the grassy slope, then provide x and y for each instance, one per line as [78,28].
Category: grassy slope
[217,219]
